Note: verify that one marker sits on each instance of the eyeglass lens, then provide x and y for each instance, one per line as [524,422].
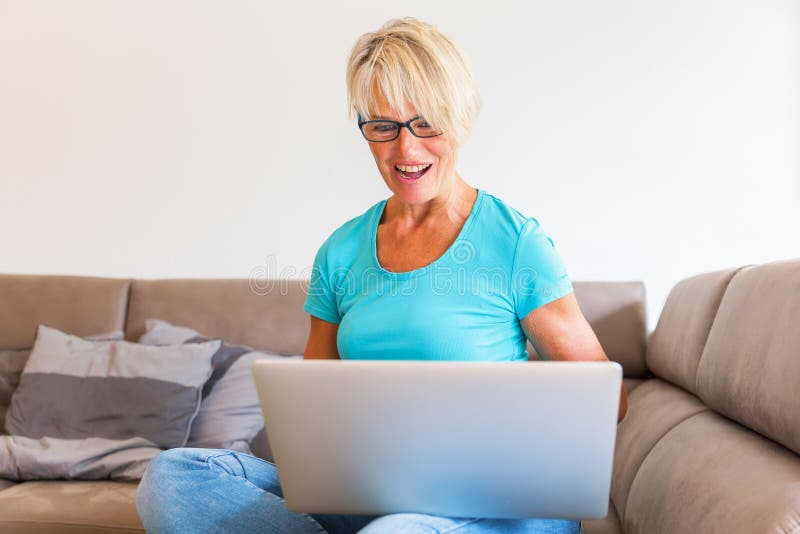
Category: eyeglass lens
[389,130]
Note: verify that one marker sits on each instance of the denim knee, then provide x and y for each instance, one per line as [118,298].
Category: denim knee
[186,491]
[165,474]
[155,477]
[181,469]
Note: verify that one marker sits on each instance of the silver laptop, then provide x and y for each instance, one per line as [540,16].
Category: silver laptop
[456,439]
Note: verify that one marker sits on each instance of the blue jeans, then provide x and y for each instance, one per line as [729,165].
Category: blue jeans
[190,491]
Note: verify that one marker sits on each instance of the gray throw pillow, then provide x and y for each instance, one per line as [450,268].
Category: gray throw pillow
[100,409]
[230,414]
[13,361]
[158,332]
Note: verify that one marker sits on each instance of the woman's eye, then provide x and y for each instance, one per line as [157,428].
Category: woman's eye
[423,127]
[385,127]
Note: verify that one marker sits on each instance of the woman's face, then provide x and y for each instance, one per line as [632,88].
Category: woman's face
[397,159]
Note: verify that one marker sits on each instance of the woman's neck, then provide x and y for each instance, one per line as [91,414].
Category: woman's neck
[452,206]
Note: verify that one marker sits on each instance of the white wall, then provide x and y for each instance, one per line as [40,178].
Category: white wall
[653,140]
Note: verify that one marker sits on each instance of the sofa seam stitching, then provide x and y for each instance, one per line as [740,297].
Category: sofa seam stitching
[705,408]
[710,328]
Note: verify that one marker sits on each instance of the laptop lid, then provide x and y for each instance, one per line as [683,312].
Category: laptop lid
[456,439]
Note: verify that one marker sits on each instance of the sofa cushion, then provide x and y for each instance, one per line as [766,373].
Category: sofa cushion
[100,409]
[675,346]
[264,314]
[654,408]
[81,305]
[709,474]
[633,383]
[77,507]
[751,364]
[608,525]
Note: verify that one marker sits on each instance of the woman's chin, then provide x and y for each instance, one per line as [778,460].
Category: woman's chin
[413,191]
[413,194]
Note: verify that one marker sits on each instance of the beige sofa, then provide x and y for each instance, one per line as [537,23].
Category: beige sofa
[710,442]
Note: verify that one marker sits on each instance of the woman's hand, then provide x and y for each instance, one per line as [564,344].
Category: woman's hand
[559,331]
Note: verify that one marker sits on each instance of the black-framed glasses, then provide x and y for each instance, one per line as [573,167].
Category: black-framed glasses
[383,130]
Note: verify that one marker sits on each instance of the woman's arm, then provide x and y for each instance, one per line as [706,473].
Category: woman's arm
[321,342]
[559,331]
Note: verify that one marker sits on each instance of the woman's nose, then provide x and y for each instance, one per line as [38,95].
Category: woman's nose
[405,139]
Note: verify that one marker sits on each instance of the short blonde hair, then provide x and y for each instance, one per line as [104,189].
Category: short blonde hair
[410,61]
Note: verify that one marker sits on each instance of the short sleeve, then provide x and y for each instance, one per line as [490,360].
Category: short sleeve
[539,275]
[321,298]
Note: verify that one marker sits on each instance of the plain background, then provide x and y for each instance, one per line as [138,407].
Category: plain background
[653,140]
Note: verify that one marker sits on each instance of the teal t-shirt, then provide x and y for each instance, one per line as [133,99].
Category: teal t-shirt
[466,305]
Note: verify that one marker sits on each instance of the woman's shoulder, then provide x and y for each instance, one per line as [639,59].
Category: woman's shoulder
[352,235]
[359,225]
[501,213]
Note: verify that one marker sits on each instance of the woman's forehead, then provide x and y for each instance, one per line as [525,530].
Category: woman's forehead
[382,108]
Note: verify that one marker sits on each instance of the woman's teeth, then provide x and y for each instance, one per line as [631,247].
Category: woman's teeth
[412,168]
[412,171]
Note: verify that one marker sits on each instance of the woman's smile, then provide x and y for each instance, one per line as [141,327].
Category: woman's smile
[411,172]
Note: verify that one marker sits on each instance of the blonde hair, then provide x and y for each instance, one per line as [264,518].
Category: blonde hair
[410,61]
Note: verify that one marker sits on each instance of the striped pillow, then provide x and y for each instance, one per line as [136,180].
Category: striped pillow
[230,414]
[12,362]
[100,409]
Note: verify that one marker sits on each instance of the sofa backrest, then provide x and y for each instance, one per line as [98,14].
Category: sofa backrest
[731,338]
[750,368]
[81,305]
[677,343]
[265,314]
[268,314]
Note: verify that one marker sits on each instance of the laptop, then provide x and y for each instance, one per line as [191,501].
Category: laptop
[455,439]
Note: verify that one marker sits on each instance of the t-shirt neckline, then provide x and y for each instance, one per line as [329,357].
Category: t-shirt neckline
[462,234]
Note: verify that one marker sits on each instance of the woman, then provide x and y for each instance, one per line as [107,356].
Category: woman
[439,271]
